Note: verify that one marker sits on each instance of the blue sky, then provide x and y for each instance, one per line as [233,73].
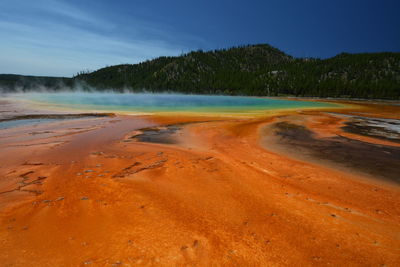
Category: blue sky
[61,37]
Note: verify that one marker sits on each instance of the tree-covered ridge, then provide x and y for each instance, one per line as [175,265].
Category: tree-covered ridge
[259,70]
[219,71]
[369,75]
[255,70]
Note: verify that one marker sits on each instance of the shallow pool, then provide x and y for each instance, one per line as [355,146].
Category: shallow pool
[144,102]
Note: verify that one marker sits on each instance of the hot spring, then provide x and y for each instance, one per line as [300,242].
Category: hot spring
[161,103]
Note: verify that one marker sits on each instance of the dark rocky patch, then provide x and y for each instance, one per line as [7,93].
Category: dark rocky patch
[379,161]
[159,135]
[56,116]
[373,127]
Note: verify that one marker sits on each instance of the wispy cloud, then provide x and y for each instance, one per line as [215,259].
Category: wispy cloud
[52,37]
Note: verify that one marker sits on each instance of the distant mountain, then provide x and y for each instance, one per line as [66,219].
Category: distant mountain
[256,70]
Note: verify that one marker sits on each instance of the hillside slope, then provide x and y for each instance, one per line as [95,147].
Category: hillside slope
[258,70]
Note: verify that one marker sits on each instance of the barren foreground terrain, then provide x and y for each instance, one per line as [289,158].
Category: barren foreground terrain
[298,188]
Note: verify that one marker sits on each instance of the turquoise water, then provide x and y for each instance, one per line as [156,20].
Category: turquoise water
[17,123]
[166,102]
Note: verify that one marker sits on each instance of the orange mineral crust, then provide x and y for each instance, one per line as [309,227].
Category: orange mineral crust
[187,191]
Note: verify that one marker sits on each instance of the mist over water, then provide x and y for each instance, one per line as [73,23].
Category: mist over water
[163,102]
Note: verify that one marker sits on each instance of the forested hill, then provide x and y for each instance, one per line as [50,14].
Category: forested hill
[257,70]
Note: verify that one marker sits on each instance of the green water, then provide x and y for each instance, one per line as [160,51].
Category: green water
[143,102]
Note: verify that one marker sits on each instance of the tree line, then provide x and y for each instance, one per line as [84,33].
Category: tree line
[258,70]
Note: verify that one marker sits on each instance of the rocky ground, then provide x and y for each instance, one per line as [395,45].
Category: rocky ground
[293,189]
